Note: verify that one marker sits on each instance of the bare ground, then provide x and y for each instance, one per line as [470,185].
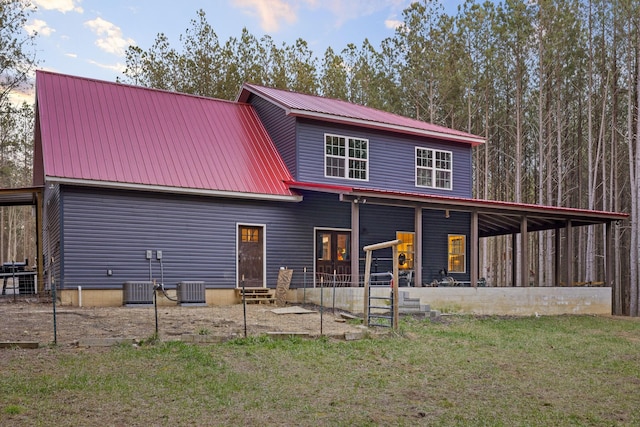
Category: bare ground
[32,320]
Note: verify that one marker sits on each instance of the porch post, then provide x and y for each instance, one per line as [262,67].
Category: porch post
[355,243]
[569,253]
[610,278]
[475,244]
[39,195]
[558,244]
[524,252]
[514,259]
[417,248]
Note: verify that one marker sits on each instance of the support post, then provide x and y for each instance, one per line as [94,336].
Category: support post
[355,244]
[610,278]
[39,241]
[514,259]
[524,252]
[569,253]
[475,245]
[558,247]
[367,282]
[417,248]
[394,289]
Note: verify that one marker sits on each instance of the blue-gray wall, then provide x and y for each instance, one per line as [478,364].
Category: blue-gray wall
[391,159]
[51,239]
[281,129]
[111,230]
[300,143]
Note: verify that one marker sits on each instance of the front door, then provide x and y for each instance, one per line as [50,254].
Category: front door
[251,255]
[333,251]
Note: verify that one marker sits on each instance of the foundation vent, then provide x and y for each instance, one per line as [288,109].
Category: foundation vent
[137,294]
[191,294]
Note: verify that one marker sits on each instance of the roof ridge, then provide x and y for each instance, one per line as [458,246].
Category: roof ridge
[280,96]
[133,86]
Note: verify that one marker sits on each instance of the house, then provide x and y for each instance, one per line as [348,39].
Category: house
[144,184]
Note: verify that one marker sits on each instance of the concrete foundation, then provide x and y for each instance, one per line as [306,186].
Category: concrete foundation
[114,297]
[483,301]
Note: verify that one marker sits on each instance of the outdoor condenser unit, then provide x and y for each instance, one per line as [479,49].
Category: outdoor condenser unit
[137,294]
[191,294]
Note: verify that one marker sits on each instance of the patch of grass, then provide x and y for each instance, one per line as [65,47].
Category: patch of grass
[13,409]
[561,371]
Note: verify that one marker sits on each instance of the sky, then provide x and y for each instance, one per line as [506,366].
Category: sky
[89,38]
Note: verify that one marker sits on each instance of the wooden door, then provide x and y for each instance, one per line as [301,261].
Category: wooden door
[333,251]
[251,256]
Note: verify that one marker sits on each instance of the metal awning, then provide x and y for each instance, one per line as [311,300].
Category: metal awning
[495,218]
[29,196]
[19,196]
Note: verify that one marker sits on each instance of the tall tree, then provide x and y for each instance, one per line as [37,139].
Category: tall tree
[17,48]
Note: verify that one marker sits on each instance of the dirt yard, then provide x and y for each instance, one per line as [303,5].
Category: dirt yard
[30,320]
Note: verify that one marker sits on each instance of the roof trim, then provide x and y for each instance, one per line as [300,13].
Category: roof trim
[254,89]
[383,126]
[485,203]
[173,190]
[20,196]
[495,217]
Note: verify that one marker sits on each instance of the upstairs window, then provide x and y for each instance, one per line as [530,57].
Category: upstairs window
[433,168]
[346,157]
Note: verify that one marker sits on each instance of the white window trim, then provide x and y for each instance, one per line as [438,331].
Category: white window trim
[346,157]
[464,253]
[433,169]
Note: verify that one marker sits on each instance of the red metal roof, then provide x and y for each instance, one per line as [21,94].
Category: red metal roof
[101,132]
[338,111]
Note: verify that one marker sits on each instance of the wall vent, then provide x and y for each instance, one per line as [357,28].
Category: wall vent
[191,294]
[137,294]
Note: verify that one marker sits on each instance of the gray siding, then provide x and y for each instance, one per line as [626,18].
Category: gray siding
[281,129]
[435,230]
[52,236]
[391,159]
[111,230]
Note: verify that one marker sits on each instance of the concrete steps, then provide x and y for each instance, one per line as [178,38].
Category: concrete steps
[408,305]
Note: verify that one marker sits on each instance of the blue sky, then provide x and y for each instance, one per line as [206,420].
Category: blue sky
[89,37]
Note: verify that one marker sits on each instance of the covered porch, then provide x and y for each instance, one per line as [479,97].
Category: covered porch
[487,218]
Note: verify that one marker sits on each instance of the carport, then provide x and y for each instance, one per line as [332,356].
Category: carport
[29,196]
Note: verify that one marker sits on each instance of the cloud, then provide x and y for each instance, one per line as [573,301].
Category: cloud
[63,6]
[270,12]
[113,67]
[393,24]
[110,35]
[40,27]
[347,10]
[71,55]
[275,13]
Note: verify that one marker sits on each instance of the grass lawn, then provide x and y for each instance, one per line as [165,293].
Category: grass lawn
[468,371]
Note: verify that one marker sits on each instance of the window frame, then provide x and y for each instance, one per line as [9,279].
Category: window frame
[433,170]
[451,254]
[347,159]
[407,248]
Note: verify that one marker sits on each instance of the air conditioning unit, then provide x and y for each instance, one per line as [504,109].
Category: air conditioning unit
[137,294]
[191,294]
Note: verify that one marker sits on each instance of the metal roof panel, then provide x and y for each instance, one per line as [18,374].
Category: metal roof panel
[336,110]
[101,131]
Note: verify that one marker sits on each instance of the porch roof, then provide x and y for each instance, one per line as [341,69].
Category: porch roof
[495,218]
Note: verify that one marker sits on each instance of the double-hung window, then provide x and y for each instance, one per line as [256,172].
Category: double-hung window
[434,168]
[346,157]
